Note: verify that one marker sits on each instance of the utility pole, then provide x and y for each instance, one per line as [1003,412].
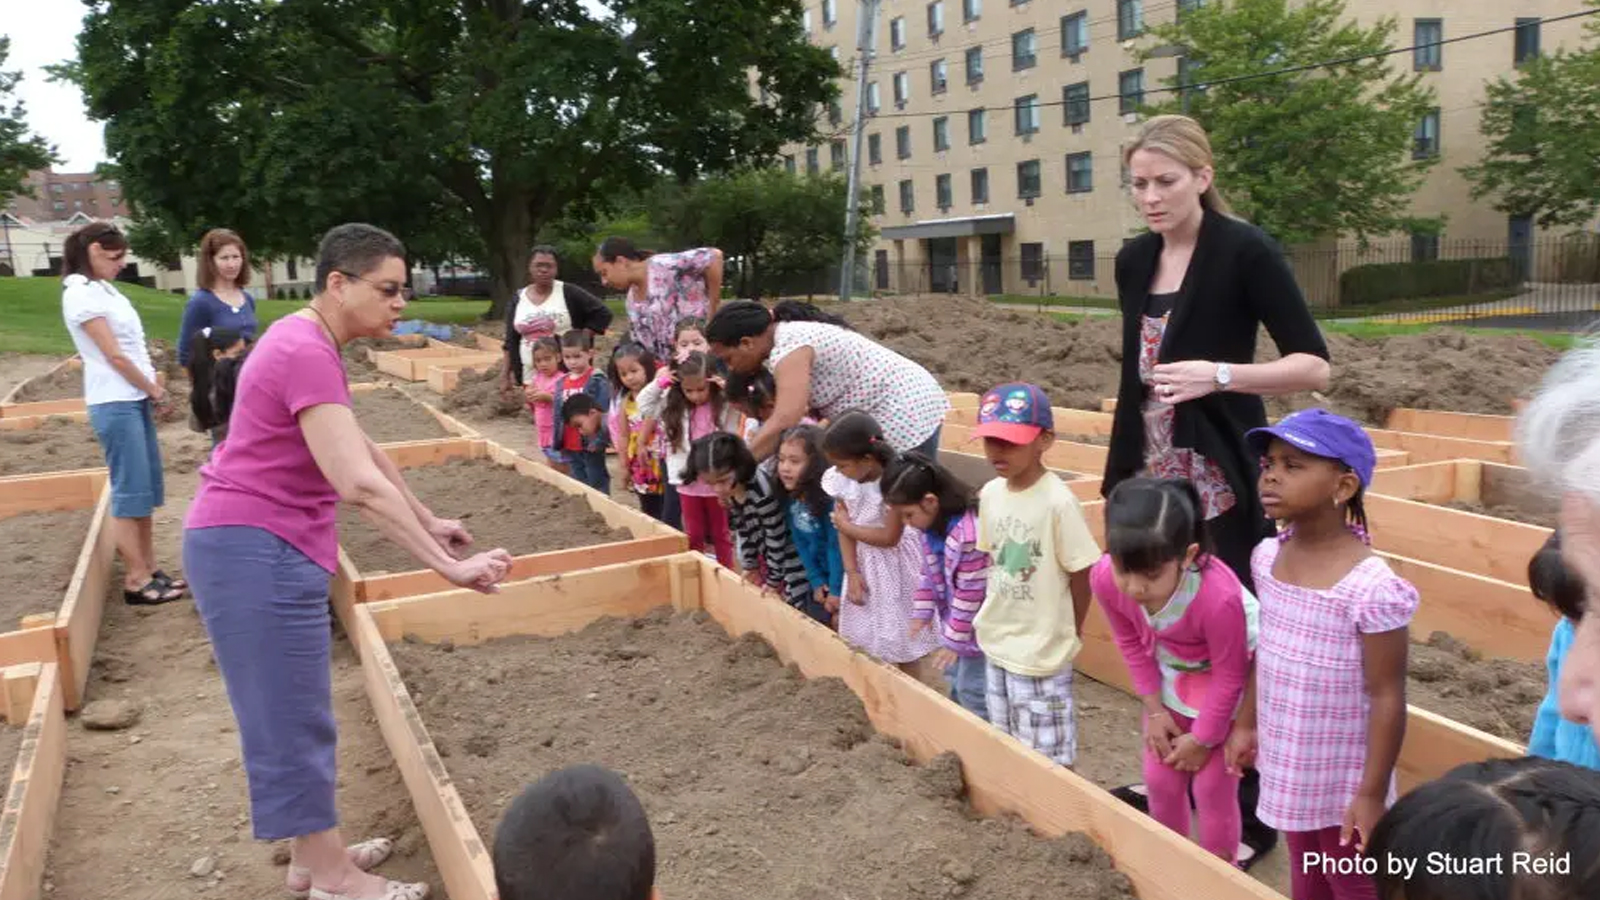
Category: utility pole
[866,25]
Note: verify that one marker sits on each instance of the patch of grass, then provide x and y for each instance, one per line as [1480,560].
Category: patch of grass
[1416,304]
[1051,300]
[1559,340]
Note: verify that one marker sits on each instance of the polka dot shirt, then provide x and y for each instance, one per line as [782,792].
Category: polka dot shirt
[851,371]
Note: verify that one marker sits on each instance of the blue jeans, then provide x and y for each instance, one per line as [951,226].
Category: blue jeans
[968,685]
[589,467]
[126,430]
[930,447]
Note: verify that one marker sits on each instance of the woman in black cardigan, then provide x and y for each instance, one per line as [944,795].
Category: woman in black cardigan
[546,307]
[1194,292]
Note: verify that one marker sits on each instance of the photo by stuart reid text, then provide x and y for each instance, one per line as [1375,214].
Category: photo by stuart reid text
[1440,863]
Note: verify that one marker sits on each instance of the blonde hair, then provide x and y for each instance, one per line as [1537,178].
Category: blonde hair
[1558,432]
[1184,141]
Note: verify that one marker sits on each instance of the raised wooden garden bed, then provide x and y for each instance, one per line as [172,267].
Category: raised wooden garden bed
[32,699]
[413,365]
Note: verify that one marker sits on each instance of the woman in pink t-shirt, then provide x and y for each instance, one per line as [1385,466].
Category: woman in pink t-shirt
[260,546]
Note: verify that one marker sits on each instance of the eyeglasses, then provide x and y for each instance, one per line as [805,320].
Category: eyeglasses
[387,289]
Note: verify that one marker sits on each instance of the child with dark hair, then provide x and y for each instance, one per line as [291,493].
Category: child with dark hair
[1330,684]
[578,833]
[1186,628]
[882,557]
[543,383]
[1554,583]
[724,465]
[800,466]
[1534,822]
[689,336]
[215,355]
[641,449]
[584,451]
[686,402]
[581,414]
[955,573]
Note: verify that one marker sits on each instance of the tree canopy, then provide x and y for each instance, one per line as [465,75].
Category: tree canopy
[1310,154]
[462,125]
[20,152]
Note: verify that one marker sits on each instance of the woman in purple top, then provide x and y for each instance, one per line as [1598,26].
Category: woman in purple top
[221,301]
[661,288]
[260,546]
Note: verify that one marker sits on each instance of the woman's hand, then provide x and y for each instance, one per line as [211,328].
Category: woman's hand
[1188,754]
[483,572]
[1180,382]
[450,534]
[1160,732]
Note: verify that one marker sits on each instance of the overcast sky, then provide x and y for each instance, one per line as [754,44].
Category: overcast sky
[47,35]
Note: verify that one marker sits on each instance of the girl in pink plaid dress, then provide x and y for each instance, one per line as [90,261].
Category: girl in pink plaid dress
[1329,706]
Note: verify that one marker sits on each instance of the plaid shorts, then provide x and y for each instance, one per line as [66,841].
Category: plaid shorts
[1036,711]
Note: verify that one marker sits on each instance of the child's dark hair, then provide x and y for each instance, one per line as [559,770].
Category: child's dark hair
[739,319]
[856,434]
[579,338]
[579,404]
[808,489]
[578,833]
[676,409]
[1153,521]
[719,451]
[1492,810]
[752,393]
[1554,583]
[688,323]
[630,350]
[204,372]
[911,476]
[548,342]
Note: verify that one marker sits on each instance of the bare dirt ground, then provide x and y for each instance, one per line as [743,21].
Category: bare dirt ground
[1499,696]
[15,368]
[41,550]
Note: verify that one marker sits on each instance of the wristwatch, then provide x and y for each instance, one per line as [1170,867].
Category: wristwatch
[1224,376]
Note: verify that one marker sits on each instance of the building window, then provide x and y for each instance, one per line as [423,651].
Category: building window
[812,166]
[939,74]
[977,126]
[908,196]
[1130,91]
[835,113]
[1130,19]
[1429,53]
[902,88]
[1075,34]
[1028,179]
[1027,114]
[836,155]
[897,33]
[902,142]
[1080,260]
[805,20]
[873,99]
[941,134]
[1424,247]
[1188,6]
[1190,81]
[788,163]
[1032,262]
[55,187]
[935,18]
[1527,41]
[1427,137]
[59,204]
[1075,103]
[1080,173]
[292,268]
[830,13]
[942,195]
[874,149]
[833,53]
[971,10]
[1024,50]
[980,186]
[877,200]
[974,64]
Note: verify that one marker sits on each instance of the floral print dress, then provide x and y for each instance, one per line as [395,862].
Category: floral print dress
[675,288]
[1162,459]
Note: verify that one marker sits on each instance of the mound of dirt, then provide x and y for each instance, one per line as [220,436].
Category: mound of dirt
[1499,696]
[64,383]
[477,395]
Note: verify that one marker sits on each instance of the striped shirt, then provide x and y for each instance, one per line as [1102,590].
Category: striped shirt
[763,528]
[955,578]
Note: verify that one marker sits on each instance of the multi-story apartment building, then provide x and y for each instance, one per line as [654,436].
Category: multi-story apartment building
[59,195]
[991,170]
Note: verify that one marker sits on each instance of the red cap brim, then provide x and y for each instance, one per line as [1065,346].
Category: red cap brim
[1010,432]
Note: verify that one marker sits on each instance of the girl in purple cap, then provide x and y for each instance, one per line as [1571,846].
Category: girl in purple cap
[1326,709]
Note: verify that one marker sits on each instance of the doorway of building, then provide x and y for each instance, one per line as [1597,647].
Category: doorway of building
[990,265]
[943,273]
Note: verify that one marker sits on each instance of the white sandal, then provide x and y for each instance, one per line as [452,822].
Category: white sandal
[394,890]
[367,855]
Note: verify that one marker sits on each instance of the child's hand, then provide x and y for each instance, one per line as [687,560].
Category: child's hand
[1160,732]
[841,515]
[943,658]
[754,577]
[719,381]
[1188,754]
[1239,753]
[1359,820]
[918,626]
[855,591]
[831,604]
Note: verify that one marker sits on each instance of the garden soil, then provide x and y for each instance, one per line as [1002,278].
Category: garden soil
[500,507]
[141,807]
[387,416]
[56,446]
[1499,696]
[41,550]
[477,397]
[10,743]
[65,383]
[758,783]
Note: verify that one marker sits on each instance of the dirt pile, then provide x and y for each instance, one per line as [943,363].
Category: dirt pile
[65,383]
[58,445]
[477,395]
[1499,696]
[758,783]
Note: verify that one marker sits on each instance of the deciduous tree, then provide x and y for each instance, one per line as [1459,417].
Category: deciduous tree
[20,151]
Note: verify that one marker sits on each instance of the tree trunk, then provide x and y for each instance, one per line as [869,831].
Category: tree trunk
[511,230]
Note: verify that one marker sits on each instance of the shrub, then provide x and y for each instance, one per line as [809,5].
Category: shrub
[1383,282]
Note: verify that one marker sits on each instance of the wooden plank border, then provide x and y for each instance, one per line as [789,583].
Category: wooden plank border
[28,423]
[413,364]
[1002,775]
[27,820]
[10,408]
[1470,426]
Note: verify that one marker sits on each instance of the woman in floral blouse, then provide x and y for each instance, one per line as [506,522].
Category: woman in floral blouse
[661,287]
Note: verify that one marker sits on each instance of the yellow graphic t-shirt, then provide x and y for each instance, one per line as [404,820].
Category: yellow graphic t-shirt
[1035,538]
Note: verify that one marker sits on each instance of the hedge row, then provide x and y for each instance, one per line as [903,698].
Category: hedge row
[1382,282]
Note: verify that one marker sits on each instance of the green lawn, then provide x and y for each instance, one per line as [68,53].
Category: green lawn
[1035,301]
[30,313]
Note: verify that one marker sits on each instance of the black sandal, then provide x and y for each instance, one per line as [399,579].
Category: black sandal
[169,581]
[155,593]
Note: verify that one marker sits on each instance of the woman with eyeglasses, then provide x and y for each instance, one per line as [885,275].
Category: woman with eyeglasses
[547,307]
[123,396]
[261,546]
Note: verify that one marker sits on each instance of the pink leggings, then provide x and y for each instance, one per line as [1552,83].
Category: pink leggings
[1216,798]
[1321,881]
